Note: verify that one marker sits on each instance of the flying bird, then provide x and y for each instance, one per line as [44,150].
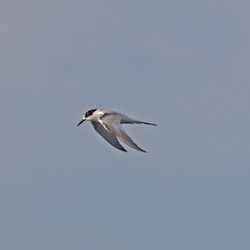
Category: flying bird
[108,124]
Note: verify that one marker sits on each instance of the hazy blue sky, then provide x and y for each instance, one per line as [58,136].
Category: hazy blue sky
[182,64]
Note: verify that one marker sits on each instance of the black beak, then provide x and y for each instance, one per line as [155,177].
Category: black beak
[81,122]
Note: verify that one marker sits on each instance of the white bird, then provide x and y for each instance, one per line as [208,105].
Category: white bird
[108,124]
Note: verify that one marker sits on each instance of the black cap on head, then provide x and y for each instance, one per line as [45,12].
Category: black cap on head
[90,112]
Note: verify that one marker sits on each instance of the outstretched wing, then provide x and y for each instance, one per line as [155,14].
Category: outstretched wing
[126,119]
[112,123]
[110,138]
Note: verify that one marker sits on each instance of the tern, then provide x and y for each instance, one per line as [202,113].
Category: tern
[108,124]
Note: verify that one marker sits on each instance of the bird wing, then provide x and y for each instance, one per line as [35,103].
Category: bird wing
[126,119]
[110,138]
[112,123]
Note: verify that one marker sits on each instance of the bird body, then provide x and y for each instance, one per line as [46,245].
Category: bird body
[108,124]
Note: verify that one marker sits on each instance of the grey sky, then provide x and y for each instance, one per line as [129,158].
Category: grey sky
[183,65]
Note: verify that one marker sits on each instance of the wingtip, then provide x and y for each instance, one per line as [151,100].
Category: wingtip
[141,150]
[122,149]
[148,123]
